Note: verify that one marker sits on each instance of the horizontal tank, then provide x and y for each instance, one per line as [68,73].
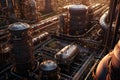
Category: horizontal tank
[67,54]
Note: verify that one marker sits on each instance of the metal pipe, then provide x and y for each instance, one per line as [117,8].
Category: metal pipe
[110,9]
[110,25]
[83,68]
[95,64]
[102,21]
[20,6]
[10,7]
[116,28]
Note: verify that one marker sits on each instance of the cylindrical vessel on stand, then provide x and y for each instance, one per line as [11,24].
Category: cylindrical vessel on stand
[49,70]
[22,47]
[78,19]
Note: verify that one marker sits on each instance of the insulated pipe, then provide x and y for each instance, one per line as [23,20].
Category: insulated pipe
[110,25]
[102,21]
[116,28]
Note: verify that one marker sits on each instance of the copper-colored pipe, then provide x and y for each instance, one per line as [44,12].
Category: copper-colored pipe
[110,25]
[116,27]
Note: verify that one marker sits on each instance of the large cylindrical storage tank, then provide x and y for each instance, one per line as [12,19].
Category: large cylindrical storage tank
[78,19]
[22,47]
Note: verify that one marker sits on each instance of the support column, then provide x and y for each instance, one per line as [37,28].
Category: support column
[48,6]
